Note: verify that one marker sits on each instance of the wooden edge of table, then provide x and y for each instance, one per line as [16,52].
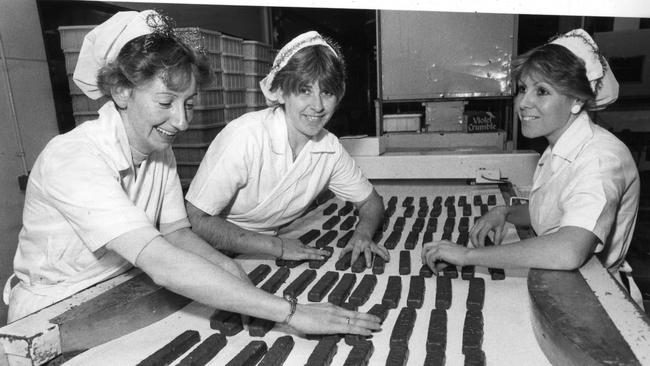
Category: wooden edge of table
[571,325]
[121,310]
[94,316]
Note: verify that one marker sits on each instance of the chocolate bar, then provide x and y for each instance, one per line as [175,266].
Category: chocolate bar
[342,289]
[301,282]
[392,240]
[330,209]
[172,350]
[343,241]
[324,351]
[443,292]
[205,351]
[362,293]
[348,223]
[393,292]
[404,262]
[324,284]
[259,273]
[416,292]
[278,352]
[403,328]
[278,278]
[250,355]
[331,222]
[476,294]
[327,238]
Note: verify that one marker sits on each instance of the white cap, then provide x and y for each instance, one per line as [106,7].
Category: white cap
[103,44]
[599,74]
[311,38]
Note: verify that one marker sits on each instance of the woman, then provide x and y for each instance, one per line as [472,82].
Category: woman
[106,197]
[264,169]
[585,194]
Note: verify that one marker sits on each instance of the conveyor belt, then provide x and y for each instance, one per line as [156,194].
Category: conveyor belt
[505,315]
[510,332]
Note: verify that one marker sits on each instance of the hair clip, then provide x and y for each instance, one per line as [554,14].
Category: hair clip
[162,26]
[589,45]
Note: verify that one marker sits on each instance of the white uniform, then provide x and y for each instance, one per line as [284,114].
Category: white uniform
[83,192]
[589,180]
[248,174]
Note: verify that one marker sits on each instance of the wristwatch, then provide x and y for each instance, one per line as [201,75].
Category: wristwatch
[292,302]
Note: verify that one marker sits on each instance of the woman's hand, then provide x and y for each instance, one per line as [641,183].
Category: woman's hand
[295,250]
[360,243]
[326,318]
[494,220]
[433,253]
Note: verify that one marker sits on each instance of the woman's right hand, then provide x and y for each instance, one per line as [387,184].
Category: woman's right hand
[326,318]
[493,220]
[296,250]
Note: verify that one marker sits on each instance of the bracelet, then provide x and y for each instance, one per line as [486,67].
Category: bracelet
[292,302]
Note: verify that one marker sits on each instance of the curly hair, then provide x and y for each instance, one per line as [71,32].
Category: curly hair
[155,55]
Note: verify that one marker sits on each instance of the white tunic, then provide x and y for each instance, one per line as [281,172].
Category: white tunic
[248,174]
[83,192]
[589,180]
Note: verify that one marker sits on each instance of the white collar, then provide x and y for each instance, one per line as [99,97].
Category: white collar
[570,143]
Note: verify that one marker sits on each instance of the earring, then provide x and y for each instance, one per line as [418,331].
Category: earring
[575,109]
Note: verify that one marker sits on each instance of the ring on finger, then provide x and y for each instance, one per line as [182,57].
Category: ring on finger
[347,320]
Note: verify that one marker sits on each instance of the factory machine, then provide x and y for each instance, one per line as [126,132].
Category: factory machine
[437,168]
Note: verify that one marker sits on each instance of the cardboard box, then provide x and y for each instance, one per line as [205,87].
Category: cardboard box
[445,116]
[362,145]
[402,122]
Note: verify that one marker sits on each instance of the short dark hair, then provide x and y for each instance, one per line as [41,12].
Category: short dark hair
[155,55]
[559,67]
[311,64]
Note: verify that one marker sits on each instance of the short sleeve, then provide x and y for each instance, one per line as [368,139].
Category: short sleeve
[591,199]
[348,181]
[222,172]
[89,195]
[134,242]
[169,228]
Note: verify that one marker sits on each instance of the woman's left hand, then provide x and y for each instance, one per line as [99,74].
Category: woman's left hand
[360,243]
[434,252]
[326,318]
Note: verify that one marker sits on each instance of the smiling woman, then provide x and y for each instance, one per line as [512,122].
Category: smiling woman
[309,88]
[550,91]
[265,168]
[154,114]
[542,109]
[152,82]
[585,194]
[82,193]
